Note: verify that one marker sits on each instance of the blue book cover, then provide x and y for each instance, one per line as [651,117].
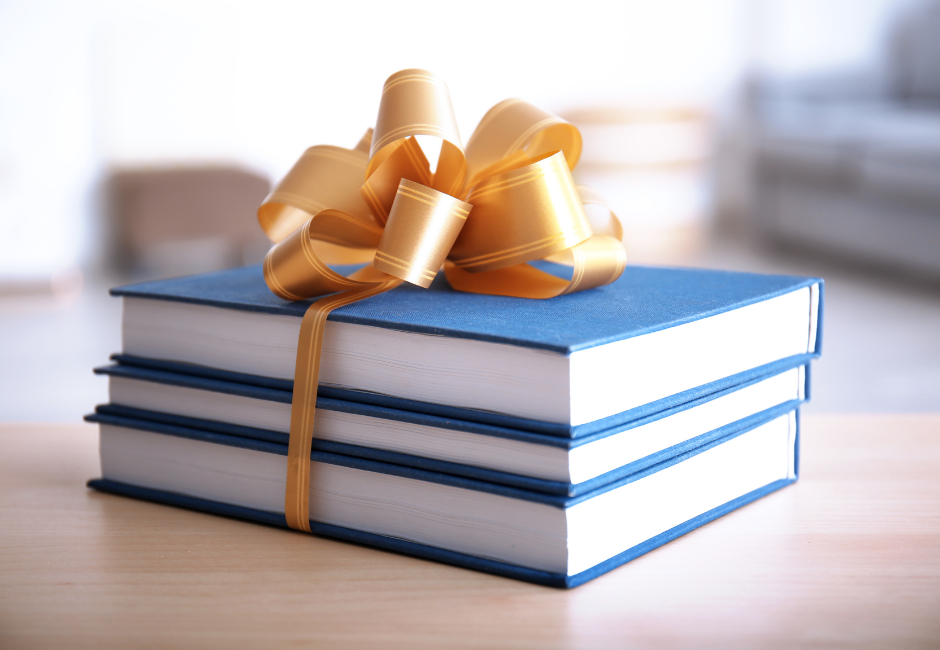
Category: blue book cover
[644,300]
[641,301]
[423,550]
[431,420]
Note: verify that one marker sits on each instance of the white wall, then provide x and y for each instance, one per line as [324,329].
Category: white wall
[47,146]
[89,85]
[262,81]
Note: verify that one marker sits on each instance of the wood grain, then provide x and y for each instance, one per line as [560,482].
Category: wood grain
[849,556]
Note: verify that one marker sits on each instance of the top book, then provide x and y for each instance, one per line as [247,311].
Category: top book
[569,366]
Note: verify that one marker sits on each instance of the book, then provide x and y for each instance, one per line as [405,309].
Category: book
[570,366]
[554,540]
[524,459]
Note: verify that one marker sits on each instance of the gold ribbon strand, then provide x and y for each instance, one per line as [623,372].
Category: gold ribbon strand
[483,214]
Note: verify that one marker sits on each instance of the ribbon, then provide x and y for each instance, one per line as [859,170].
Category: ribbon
[487,210]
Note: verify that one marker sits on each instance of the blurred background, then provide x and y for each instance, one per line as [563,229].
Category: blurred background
[796,136]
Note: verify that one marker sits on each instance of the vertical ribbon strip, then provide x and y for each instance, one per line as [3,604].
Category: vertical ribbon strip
[482,215]
[303,402]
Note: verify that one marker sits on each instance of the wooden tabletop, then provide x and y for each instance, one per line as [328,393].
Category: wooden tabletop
[849,556]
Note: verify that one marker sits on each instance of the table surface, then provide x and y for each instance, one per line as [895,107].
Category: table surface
[849,556]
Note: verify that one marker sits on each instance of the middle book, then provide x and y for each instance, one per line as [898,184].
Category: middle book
[498,454]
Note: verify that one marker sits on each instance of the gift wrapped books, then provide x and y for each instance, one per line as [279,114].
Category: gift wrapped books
[538,410]
[545,440]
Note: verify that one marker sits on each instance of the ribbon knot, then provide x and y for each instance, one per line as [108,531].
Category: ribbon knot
[483,214]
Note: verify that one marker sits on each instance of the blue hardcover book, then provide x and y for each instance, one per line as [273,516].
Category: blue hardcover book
[569,367]
[555,540]
[514,457]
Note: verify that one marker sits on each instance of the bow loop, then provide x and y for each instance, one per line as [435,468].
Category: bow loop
[522,215]
[422,226]
[597,261]
[417,102]
[324,177]
[514,126]
[292,268]
[405,160]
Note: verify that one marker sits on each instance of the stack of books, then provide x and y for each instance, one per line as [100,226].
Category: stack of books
[545,440]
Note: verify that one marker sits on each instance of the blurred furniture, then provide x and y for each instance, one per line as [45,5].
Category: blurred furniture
[651,165]
[850,162]
[182,220]
[847,557]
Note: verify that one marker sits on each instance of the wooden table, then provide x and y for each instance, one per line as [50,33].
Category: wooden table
[849,556]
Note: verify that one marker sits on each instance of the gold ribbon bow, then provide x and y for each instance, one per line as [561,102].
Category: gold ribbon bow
[484,213]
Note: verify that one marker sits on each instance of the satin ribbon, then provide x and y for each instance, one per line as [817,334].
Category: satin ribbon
[487,210]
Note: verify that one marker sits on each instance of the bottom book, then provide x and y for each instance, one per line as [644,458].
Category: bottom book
[542,538]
